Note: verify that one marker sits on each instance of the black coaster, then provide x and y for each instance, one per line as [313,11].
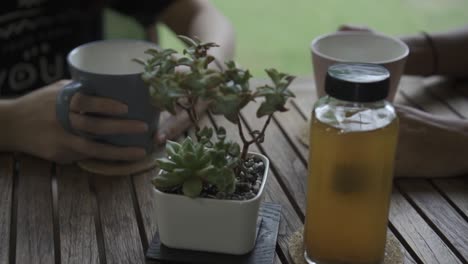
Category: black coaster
[263,253]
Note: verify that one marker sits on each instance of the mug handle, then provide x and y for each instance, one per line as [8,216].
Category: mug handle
[62,107]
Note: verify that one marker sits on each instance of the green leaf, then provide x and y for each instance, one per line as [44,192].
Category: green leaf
[190,160]
[189,41]
[271,104]
[172,147]
[184,61]
[167,180]
[265,90]
[177,158]
[192,187]
[234,149]
[225,180]
[184,173]
[207,173]
[139,61]
[166,164]
[187,144]
[288,93]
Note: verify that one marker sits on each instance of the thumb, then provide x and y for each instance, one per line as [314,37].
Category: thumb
[172,128]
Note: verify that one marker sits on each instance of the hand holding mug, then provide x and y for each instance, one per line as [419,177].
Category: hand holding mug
[37,131]
[106,70]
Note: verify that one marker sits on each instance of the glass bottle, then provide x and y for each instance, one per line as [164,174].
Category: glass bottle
[353,139]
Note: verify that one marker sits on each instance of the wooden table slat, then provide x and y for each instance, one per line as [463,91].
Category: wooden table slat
[293,125]
[456,190]
[146,201]
[426,243]
[304,88]
[6,191]
[112,219]
[277,260]
[35,236]
[290,221]
[76,211]
[439,212]
[119,225]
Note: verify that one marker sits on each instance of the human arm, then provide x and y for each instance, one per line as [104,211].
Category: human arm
[429,145]
[199,18]
[29,125]
[196,18]
[446,55]
[438,53]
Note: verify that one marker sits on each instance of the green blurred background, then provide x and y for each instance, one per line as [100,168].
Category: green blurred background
[277,33]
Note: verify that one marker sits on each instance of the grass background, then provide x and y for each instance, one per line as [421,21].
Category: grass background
[277,33]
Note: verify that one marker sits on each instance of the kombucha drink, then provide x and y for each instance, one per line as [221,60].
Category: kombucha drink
[349,187]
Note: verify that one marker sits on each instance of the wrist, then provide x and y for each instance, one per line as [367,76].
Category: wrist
[421,58]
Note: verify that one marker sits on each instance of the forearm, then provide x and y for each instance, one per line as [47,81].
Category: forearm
[212,26]
[430,146]
[447,55]
[7,121]
[199,18]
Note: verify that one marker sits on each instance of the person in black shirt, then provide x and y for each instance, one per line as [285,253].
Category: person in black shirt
[35,37]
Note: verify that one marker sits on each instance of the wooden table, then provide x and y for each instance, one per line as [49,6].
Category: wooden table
[60,214]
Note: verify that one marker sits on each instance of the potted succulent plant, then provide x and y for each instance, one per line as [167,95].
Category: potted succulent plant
[209,188]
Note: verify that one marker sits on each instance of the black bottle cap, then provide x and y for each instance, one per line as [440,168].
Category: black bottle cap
[357,82]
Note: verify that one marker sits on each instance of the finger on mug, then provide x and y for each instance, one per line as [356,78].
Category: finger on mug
[349,27]
[106,126]
[172,128]
[91,104]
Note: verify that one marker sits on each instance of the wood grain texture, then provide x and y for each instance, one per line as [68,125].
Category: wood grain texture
[456,189]
[293,124]
[439,212]
[76,210]
[440,96]
[119,225]
[277,260]
[290,220]
[35,239]
[6,191]
[146,201]
[426,243]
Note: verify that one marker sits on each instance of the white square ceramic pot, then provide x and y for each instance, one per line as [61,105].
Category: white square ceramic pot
[212,225]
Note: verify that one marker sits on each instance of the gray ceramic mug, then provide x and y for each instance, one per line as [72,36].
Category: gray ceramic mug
[105,69]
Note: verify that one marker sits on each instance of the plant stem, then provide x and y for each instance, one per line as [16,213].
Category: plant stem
[193,117]
[267,122]
[246,144]
[241,130]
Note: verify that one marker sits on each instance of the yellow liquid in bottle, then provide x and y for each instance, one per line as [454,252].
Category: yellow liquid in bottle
[349,187]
